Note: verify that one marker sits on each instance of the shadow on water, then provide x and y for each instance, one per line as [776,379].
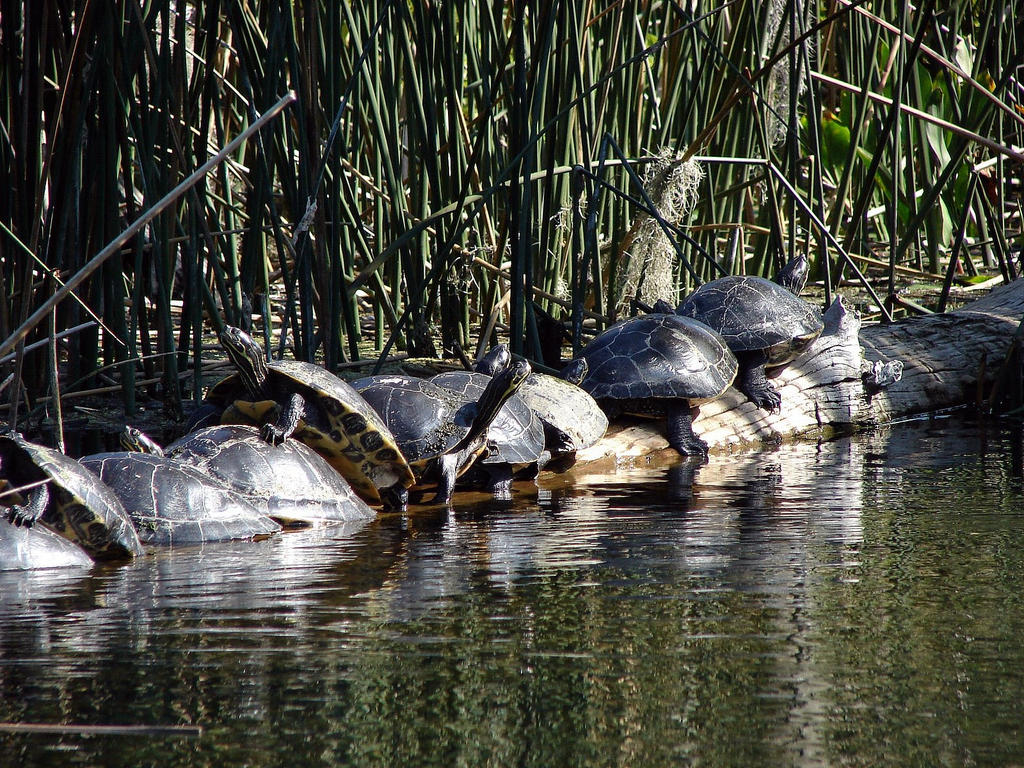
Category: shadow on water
[855,602]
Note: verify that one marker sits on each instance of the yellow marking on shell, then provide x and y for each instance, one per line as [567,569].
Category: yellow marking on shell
[342,452]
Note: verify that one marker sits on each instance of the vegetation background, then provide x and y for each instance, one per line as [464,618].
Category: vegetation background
[452,172]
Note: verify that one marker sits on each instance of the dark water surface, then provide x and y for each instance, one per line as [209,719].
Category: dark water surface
[858,602]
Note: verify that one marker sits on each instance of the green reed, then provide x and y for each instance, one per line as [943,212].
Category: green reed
[453,173]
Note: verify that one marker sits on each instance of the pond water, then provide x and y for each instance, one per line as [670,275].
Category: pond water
[855,602]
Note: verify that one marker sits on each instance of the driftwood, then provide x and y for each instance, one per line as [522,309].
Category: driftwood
[852,377]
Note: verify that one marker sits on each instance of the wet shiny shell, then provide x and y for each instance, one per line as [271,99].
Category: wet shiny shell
[752,314]
[290,482]
[346,431]
[565,408]
[172,503]
[82,509]
[426,419]
[24,549]
[658,356]
[516,436]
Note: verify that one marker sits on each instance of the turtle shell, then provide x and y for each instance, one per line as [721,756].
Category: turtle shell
[427,420]
[340,424]
[516,436]
[572,418]
[172,503]
[80,507]
[23,549]
[658,356]
[754,314]
[290,482]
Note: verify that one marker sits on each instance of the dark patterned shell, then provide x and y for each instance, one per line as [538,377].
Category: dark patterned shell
[516,436]
[752,314]
[173,503]
[345,430]
[81,508]
[566,410]
[23,549]
[289,482]
[427,420]
[658,356]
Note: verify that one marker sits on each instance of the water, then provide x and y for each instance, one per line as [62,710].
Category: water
[858,602]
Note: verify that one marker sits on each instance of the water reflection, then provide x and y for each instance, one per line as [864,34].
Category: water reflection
[853,602]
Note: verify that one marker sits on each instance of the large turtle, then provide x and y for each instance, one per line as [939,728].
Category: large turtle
[290,483]
[572,418]
[172,503]
[314,406]
[440,432]
[764,323]
[23,549]
[515,439]
[659,365]
[55,491]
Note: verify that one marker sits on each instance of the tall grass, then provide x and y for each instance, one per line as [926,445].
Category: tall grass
[455,172]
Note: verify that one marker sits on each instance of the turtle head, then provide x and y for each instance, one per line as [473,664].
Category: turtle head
[247,357]
[134,439]
[662,307]
[793,276]
[495,361]
[576,371]
[499,389]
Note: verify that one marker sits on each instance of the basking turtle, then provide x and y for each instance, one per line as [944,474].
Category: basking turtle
[290,483]
[58,493]
[764,323]
[23,549]
[515,439]
[660,365]
[172,503]
[440,432]
[572,418]
[316,407]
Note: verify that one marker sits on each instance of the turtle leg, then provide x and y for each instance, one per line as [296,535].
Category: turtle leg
[28,513]
[394,498]
[500,481]
[753,383]
[448,466]
[287,421]
[680,431]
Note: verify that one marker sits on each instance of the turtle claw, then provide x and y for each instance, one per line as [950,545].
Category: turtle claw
[272,434]
[769,400]
[20,517]
[694,447]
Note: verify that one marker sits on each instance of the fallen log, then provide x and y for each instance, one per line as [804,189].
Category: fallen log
[851,377]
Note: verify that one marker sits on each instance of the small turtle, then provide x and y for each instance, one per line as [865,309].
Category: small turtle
[439,431]
[572,418]
[23,549]
[60,494]
[764,323]
[316,407]
[172,503]
[515,439]
[290,483]
[659,365]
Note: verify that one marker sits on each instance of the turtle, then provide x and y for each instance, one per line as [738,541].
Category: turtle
[171,503]
[659,365]
[23,549]
[515,439]
[764,323]
[440,431]
[317,408]
[572,419]
[57,492]
[290,483]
